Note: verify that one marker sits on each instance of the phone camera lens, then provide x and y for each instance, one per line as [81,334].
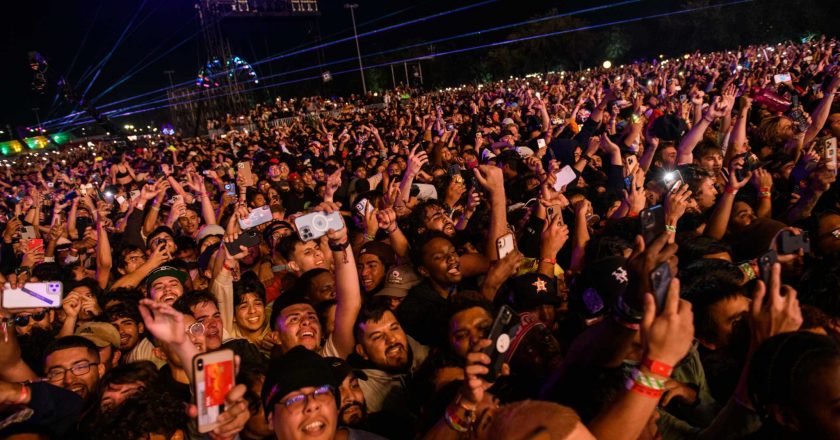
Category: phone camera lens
[200,364]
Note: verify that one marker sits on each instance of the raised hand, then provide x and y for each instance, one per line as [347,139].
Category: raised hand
[490,177]
[387,219]
[774,308]
[163,322]
[676,203]
[416,161]
[554,236]
[667,337]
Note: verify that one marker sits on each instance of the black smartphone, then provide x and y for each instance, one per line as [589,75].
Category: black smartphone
[765,266]
[653,223]
[247,239]
[501,333]
[790,243]
[454,170]
[660,279]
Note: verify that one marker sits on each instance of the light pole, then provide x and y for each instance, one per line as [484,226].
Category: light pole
[352,7]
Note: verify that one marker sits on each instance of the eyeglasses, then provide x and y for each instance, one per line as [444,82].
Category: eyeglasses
[322,394]
[57,374]
[195,329]
[23,320]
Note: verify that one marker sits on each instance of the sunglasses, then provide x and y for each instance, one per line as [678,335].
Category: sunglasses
[23,320]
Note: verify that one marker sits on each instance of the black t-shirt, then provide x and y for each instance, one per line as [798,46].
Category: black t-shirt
[167,383]
[423,315]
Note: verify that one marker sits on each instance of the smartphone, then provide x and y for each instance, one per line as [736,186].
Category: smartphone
[505,244]
[830,153]
[565,176]
[27,233]
[120,199]
[671,178]
[244,169]
[70,196]
[501,334]
[797,114]
[214,377]
[540,143]
[316,224]
[257,217]
[36,243]
[660,279]
[653,223]
[765,266]
[782,77]
[628,183]
[32,295]
[247,239]
[133,194]
[363,207]
[790,243]
[230,189]
[175,198]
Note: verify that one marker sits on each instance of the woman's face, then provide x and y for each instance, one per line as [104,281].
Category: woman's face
[467,328]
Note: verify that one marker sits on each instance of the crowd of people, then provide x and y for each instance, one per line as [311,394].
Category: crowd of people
[643,251]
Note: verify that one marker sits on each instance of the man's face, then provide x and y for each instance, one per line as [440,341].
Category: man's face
[166,290]
[833,124]
[437,220]
[353,407]
[198,340]
[467,328]
[171,247]
[208,314]
[725,315]
[133,260]
[323,287]
[441,262]
[371,271]
[308,256]
[250,313]
[317,419]
[189,222]
[712,161]
[384,343]
[74,369]
[742,215]
[130,332]
[706,195]
[115,394]
[37,317]
[298,325]
[89,304]
[669,157]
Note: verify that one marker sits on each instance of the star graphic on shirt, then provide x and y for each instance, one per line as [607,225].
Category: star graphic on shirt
[540,285]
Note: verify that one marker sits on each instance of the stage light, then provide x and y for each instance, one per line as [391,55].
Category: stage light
[607,64]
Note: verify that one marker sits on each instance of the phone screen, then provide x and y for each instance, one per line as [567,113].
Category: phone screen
[215,377]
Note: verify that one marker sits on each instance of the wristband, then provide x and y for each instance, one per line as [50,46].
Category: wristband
[632,214]
[658,368]
[764,189]
[394,229]
[228,267]
[140,206]
[24,394]
[339,247]
[670,228]
[748,270]
[764,194]
[730,190]
[551,261]
[643,390]
[646,380]
[369,237]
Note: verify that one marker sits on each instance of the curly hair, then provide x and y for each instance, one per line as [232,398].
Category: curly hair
[146,413]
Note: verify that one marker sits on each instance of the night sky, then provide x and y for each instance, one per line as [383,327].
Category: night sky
[76,35]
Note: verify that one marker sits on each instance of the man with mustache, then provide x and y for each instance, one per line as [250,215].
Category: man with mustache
[352,410]
[72,363]
[301,400]
[389,358]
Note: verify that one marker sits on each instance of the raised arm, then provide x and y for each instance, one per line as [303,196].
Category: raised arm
[695,135]
[347,292]
[823,109]
[490,177]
